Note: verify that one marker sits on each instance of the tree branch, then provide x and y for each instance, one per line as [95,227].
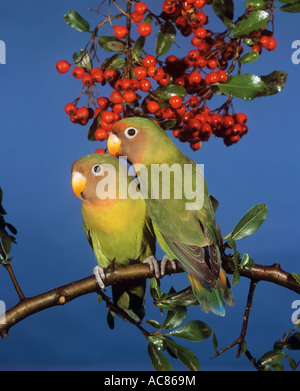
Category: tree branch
[71,291]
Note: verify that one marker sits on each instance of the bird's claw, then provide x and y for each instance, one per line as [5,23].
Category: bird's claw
[154,266]
[163,265]
[99,274]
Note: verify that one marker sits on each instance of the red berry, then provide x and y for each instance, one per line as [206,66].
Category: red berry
[212,77]
[140,7]
[110,74]
[212,63]
[272,43]
[140,72]
[120,31]
[222,76]
[70,109]
[118,108]
[82,113]
[100,150]
[236,129]
[200,32]
[101,134]
[196,146]
[199,3]
[116,97]
[144,29]
[78,72]
[136,17]
[152,106]
[193,102]
[149,61]
[241,118]
[194,125]
[62,66]
[195,77]
[126,84]
[97,75]
[87,80]
[103,103]
[108,116]
[256,48]
[129,96]
[167,7]
[228,121]
[145,85]
[175,102]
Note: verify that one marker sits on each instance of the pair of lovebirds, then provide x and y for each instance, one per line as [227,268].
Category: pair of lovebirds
[123,230]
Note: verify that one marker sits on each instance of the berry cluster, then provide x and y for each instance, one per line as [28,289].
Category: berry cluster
[209,61]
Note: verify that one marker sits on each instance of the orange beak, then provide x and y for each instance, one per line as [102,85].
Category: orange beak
[78,183]
[114,145]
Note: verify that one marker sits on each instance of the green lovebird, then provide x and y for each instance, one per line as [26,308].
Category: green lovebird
[117,226]
[184,222]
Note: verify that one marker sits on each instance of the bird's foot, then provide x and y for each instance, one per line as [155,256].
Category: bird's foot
[153,264]
[99,274]
[163,265]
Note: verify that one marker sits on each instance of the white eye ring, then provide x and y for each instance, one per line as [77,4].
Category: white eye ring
[97,169]
[131,132]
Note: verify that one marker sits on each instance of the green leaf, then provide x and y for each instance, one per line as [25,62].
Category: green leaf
[195,330]
[175,318]
[292,362]
[292,7]
[111,44]
[296,277]
[231,243]
[95,125]
[257,4]
[167,125]
[254,21]
[215,341]
[154,288]
[165,38]
[244,347]
[224,10]
[293,342]
[138,47]
[83,59]
[278,367]
[272,357]
[159,360]
[166,92]
[249,57]
[250,222]
[5,241]
[110,320]
[12,229]
[214,202]
[153,323]
[249,86]
[235,277]
[245,259]
[157,341]
[186,356]
[184,297]
[114,62]
[73,19]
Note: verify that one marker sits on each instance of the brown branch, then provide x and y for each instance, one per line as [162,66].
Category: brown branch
[14,281]
[240,340]
[71,291]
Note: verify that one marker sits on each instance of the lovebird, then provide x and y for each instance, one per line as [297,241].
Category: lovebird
[185,226]
[117,227]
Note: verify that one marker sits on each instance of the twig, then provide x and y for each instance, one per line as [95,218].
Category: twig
[14,280]
[241,338]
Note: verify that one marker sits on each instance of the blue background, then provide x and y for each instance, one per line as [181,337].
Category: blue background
[38,146]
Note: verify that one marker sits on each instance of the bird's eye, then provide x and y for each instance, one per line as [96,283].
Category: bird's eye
[97,169]
[130,132]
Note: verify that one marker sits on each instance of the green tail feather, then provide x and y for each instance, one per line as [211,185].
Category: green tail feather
[130,297]
[213,299]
